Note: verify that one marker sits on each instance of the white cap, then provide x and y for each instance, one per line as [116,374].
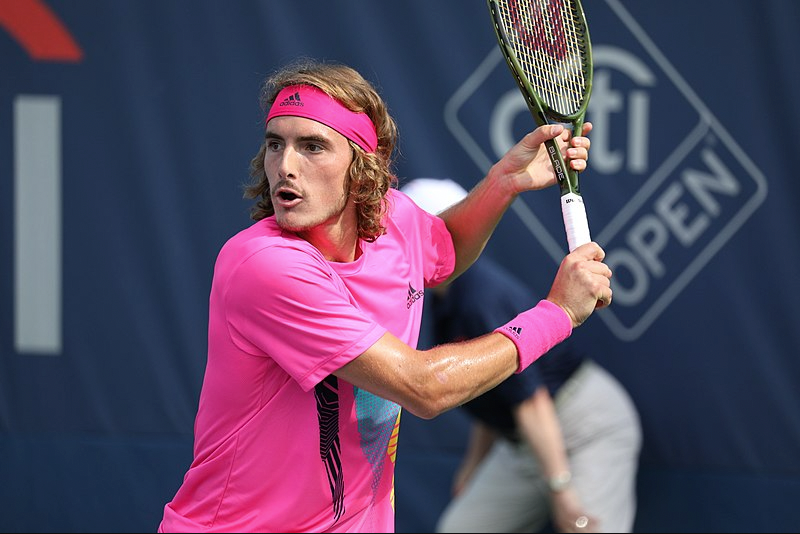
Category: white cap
[434,195]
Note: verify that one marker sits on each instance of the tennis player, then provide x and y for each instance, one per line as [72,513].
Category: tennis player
[315,309]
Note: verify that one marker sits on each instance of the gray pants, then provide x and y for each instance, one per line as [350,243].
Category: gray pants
[602,435]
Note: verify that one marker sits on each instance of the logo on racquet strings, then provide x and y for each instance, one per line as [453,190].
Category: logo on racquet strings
[539,35]
[543,31]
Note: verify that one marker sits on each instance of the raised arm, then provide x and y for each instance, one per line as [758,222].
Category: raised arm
[525,167]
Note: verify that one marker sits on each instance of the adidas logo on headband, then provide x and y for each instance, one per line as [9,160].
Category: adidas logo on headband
[292,100]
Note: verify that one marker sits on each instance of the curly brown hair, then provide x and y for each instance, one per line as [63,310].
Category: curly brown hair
[370,174]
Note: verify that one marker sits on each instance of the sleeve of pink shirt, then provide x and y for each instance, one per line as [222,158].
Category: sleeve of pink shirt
[303,317]
[430,237]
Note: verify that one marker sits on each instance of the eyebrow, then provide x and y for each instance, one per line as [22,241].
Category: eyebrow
[303,138]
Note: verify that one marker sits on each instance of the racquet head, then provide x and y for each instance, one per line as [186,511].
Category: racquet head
[547,47]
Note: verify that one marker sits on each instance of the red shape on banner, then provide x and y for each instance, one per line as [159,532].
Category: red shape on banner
[39,31]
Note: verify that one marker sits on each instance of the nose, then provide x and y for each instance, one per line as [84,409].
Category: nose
[287,162]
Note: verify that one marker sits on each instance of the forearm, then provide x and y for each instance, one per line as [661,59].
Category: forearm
[538,421]
[464,370]
[430,382]
[481,439]
[539,426]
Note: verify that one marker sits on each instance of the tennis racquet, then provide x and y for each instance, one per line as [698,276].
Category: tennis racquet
[546,45]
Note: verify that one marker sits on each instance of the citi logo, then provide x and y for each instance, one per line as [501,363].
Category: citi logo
[675,202]
[413,296]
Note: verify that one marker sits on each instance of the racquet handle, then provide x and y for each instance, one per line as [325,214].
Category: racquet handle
[575,221]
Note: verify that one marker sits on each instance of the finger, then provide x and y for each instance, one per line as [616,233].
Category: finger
[599,253]
[590,251]
[548,131]
[581,142]
[599,268]
[578,164]
[605,299]
[577,152]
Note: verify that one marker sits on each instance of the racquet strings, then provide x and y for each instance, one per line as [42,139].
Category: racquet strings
[548,38]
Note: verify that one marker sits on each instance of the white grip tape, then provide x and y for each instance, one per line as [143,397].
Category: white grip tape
[575,221]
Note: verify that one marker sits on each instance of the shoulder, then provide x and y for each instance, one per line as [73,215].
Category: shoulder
[413,220]
[401,205]
[265,253]
[266,235]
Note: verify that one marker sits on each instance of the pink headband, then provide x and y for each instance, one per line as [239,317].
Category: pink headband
[312,103]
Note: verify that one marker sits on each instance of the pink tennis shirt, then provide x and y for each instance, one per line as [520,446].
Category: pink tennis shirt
[282,445]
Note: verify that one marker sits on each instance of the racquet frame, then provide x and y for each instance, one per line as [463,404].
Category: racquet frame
[548,51]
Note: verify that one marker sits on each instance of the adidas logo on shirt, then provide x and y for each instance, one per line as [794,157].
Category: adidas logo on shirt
[413,296]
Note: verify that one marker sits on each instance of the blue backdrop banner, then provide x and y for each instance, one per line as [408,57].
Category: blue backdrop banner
[126,132]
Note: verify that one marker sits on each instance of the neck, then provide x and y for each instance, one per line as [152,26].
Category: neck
[337,240]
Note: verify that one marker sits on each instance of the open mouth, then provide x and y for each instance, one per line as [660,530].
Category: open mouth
[287,196]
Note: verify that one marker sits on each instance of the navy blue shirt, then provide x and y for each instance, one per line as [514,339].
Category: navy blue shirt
[483,298]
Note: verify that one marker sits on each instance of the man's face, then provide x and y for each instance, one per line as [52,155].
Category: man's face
[306,165]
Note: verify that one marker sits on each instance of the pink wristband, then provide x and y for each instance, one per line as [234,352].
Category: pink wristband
[537,330]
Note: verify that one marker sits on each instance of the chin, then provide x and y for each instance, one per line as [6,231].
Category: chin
[289,223]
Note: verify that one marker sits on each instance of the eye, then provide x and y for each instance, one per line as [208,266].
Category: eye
[313,147]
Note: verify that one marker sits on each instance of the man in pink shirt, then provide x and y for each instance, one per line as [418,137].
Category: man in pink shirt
[315,310]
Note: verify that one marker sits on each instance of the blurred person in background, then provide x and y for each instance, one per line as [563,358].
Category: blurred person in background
[557,443]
